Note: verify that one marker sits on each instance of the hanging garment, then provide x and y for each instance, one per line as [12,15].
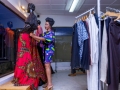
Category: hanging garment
[85,61]
[9,41]
[108,20]
[96,19]
[92,73]
[75,57]
[114,47]
[39,33]
[104,56]
[29,68]
[93,30]
[82,36]
[102,26]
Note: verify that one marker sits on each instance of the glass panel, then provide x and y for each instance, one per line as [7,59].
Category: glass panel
[7,40]
[63,44]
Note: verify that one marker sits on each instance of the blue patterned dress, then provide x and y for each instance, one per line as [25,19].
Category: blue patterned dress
[48,47]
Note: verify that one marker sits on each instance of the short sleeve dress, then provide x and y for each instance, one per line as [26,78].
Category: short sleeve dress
[49,46]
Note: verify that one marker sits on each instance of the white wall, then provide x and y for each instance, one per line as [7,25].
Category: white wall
[60,20]
[17,22]
[18,3]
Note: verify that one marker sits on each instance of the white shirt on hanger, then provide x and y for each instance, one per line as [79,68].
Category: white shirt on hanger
[92,73]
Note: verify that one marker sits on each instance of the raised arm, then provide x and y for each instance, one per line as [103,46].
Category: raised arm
[37,38]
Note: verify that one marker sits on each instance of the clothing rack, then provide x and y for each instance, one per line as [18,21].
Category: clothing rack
[112,9]
[99,18]
[99,63]
[84,13]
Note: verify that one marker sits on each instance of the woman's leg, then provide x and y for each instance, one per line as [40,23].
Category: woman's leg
[52,72]
[48,72]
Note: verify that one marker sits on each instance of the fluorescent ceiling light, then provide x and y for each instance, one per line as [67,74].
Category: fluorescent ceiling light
[73,6]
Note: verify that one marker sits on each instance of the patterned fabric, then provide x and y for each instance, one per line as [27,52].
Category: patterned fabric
[29,68]
[49,46]
[82,36]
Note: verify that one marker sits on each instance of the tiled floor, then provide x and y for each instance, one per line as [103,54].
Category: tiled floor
[62,81]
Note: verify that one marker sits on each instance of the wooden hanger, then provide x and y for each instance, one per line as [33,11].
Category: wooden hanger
[111,14]
[118,18]
[86,17]
[108,13]
[82,18]
[93,12]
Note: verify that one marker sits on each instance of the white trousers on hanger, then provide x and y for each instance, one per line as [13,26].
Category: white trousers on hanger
[104,56]
[92,77]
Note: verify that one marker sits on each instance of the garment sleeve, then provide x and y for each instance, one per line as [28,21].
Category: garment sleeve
[50,38]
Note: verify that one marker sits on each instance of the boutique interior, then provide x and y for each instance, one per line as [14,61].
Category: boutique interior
[87,42]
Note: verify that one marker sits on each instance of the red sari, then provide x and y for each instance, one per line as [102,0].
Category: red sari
[29,68]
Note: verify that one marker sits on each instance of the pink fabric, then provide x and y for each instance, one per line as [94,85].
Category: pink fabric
[39,33]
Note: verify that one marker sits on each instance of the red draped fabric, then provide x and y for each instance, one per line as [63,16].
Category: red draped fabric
[29,68]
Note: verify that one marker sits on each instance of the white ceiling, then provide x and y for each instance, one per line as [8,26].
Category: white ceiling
[58,7]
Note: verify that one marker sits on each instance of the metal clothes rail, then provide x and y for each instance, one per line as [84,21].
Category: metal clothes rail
[84,13]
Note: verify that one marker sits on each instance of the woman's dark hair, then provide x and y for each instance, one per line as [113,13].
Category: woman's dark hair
[50,20]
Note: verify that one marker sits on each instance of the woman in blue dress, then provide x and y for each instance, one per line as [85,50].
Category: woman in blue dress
[48,40]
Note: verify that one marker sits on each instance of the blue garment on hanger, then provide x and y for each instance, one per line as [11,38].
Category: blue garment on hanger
[96,19]
[75,58]
[85,61]
[82,36]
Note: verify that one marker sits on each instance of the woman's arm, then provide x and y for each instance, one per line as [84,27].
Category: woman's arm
[37,38]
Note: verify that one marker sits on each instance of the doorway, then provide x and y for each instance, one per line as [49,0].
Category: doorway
[63,39]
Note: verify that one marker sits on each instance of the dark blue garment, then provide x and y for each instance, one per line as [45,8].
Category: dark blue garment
[102,26]
[75,57]
[107,21]
[114,47]
[85,62]
[96,19]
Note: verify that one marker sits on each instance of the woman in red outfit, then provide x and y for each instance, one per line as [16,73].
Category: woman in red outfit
[29,68]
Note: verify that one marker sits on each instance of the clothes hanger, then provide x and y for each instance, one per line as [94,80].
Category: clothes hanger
[113,14]
[86,17]
[82,18]
[118,18]
[75,21]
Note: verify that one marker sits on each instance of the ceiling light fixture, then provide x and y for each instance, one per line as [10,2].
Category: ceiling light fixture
[23,8]
[73,6]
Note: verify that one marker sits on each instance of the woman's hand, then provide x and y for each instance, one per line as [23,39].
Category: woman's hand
[31,34]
